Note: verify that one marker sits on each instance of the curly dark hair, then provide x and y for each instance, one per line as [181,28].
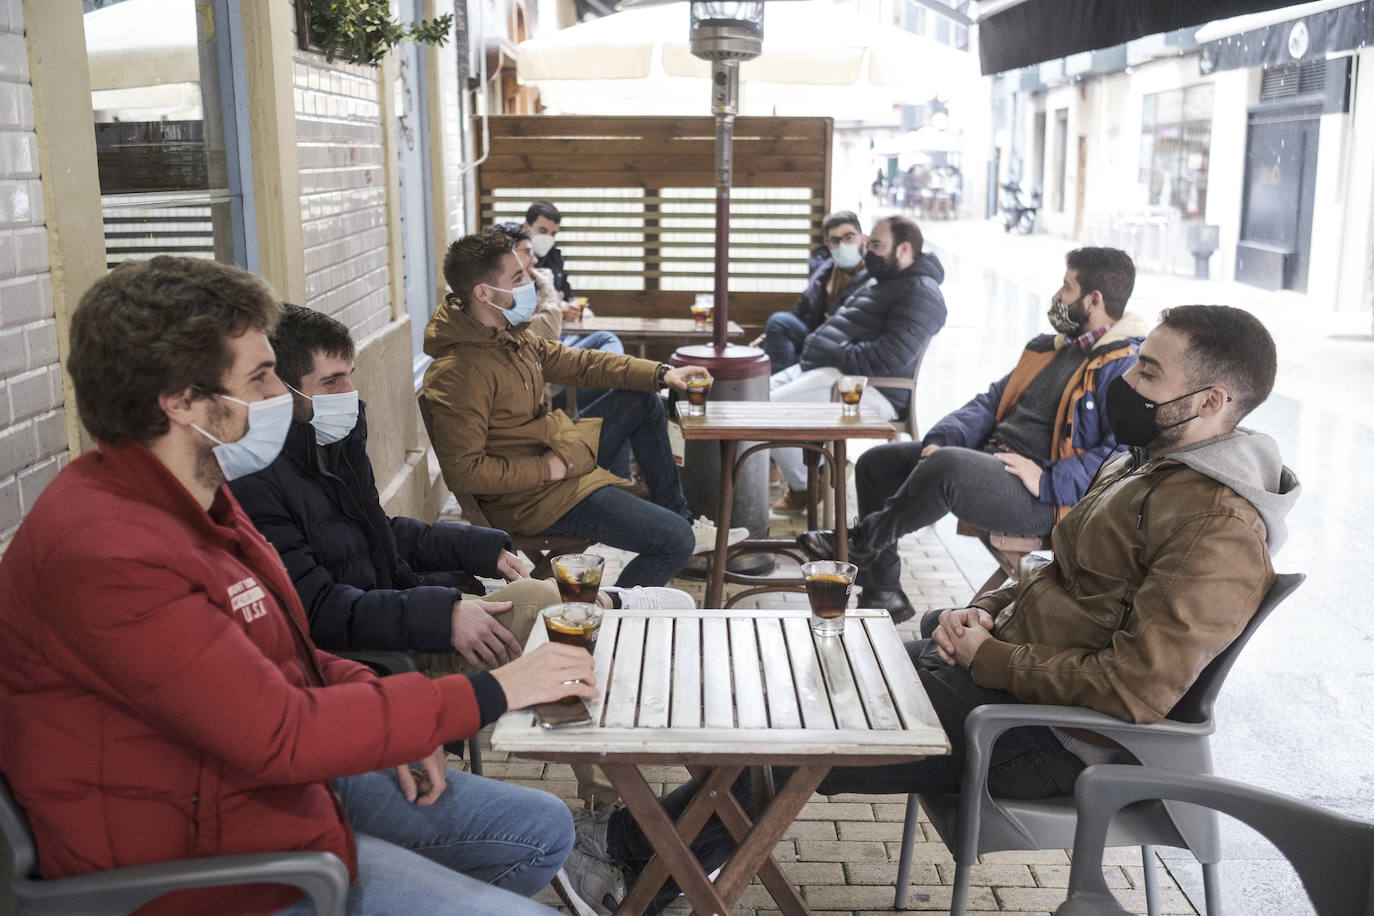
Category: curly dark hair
[1226,346]
[299,335]
[1109,271]
[475,259]
[156,327]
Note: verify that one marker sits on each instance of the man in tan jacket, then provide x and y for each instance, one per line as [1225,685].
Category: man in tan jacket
[1156,570]
[535,470]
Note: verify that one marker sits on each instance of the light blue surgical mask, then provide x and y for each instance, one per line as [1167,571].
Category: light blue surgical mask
[526,298]
[268,421]
[335,415]
[848,256]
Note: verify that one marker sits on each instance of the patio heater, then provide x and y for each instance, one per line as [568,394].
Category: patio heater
[726,33]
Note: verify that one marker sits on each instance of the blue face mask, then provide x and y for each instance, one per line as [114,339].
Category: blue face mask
[335,414]
[526,298]
[268,421]
[847,256]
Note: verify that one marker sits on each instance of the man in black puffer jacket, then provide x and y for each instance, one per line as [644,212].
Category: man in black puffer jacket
[883,329]
[368,581]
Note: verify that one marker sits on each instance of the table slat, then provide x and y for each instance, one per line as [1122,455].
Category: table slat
[744,662]
[806,671]
[868,677]
[777,675]
[781,421]
[844,693]
[908,695]
[715,673]
[622,694]
[656,678]
[687,673]
[601,661]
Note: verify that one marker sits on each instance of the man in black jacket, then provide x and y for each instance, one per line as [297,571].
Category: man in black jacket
[368,581]
[837,273]
[881,330]
[542,221]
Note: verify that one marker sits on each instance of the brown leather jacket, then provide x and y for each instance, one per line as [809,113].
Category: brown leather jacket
[1155,571]
[483,404]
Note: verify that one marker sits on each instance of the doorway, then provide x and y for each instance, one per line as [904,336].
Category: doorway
[1280,182]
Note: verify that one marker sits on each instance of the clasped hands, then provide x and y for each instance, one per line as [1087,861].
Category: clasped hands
[960,633]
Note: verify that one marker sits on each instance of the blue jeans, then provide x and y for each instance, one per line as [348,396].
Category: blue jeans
[783,337]
[1026,763]
[660,529]
[482,848]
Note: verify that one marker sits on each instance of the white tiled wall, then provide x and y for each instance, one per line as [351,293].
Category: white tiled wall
[343,192]
[33,431]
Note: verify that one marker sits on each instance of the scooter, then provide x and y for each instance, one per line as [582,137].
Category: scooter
[1019,208]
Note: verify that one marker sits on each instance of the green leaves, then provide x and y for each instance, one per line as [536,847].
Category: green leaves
[362,31]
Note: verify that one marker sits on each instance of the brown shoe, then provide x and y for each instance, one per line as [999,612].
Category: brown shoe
[792,501]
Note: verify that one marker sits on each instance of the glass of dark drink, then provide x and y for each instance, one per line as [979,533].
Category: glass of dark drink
[573,624]
[578,576]
[828,584]
[851,392]
[698,390]
[702,308]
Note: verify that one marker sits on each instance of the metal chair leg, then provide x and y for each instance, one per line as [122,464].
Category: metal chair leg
[959,900]
[1151,868]
[1211,888]
[909,826]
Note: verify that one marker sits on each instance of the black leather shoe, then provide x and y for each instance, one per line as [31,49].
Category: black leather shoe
[894,601]
[820,545]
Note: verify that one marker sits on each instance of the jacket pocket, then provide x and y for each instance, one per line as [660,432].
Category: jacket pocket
[576,442]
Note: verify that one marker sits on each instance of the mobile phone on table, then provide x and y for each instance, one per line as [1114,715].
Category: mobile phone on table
[562,715]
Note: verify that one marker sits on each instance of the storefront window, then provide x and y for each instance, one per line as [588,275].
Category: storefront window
[165,76]
[1175,135]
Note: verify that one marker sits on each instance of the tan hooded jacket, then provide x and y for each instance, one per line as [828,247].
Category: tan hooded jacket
[484,407]
[1156,570]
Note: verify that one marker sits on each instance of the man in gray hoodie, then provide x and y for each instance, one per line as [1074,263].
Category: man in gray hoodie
[1156,570]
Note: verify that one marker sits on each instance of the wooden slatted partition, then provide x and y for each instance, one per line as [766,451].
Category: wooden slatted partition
[638,202]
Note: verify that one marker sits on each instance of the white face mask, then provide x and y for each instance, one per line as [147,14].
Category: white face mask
[848,256]
[541,245]
[335,414]
[268,421]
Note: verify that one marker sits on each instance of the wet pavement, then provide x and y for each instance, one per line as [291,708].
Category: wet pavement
[1297,713]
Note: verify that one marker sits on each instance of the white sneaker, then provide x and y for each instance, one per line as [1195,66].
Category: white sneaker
[651,598]
[590,872]
[705,532]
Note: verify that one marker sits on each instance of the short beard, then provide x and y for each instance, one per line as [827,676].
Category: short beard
[1169,438]
[207,470]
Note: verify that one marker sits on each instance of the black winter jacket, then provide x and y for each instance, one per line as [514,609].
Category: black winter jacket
[810,307]
[884,328]
[366,581]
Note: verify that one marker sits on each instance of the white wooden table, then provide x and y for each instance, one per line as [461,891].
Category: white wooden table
[717,691]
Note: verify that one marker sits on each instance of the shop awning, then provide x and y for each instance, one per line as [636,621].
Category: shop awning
[1032,31]
[1309,31]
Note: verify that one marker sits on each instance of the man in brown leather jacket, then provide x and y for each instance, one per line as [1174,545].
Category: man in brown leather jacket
[1155,571]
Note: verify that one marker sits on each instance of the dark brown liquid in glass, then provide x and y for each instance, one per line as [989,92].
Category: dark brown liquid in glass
[697,394]
[828,593]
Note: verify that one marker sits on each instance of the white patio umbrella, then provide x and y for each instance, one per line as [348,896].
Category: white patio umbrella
[143,58]
[817,60]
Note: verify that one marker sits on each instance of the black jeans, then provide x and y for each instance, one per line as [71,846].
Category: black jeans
[900,492]
[1026,763]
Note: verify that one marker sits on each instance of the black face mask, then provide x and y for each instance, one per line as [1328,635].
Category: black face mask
[879,268]
[1133,417]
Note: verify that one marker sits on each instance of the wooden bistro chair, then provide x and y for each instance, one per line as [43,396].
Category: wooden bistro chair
[1007,549]
[903,424]
[540,548]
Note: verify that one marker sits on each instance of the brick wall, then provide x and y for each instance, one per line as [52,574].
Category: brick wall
[343,192]
[33,434]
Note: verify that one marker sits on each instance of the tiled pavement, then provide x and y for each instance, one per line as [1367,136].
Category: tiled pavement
[843,850]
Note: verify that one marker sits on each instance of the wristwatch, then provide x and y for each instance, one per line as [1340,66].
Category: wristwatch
[661,374]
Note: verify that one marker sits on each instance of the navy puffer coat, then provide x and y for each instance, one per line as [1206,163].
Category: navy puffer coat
[884,328]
